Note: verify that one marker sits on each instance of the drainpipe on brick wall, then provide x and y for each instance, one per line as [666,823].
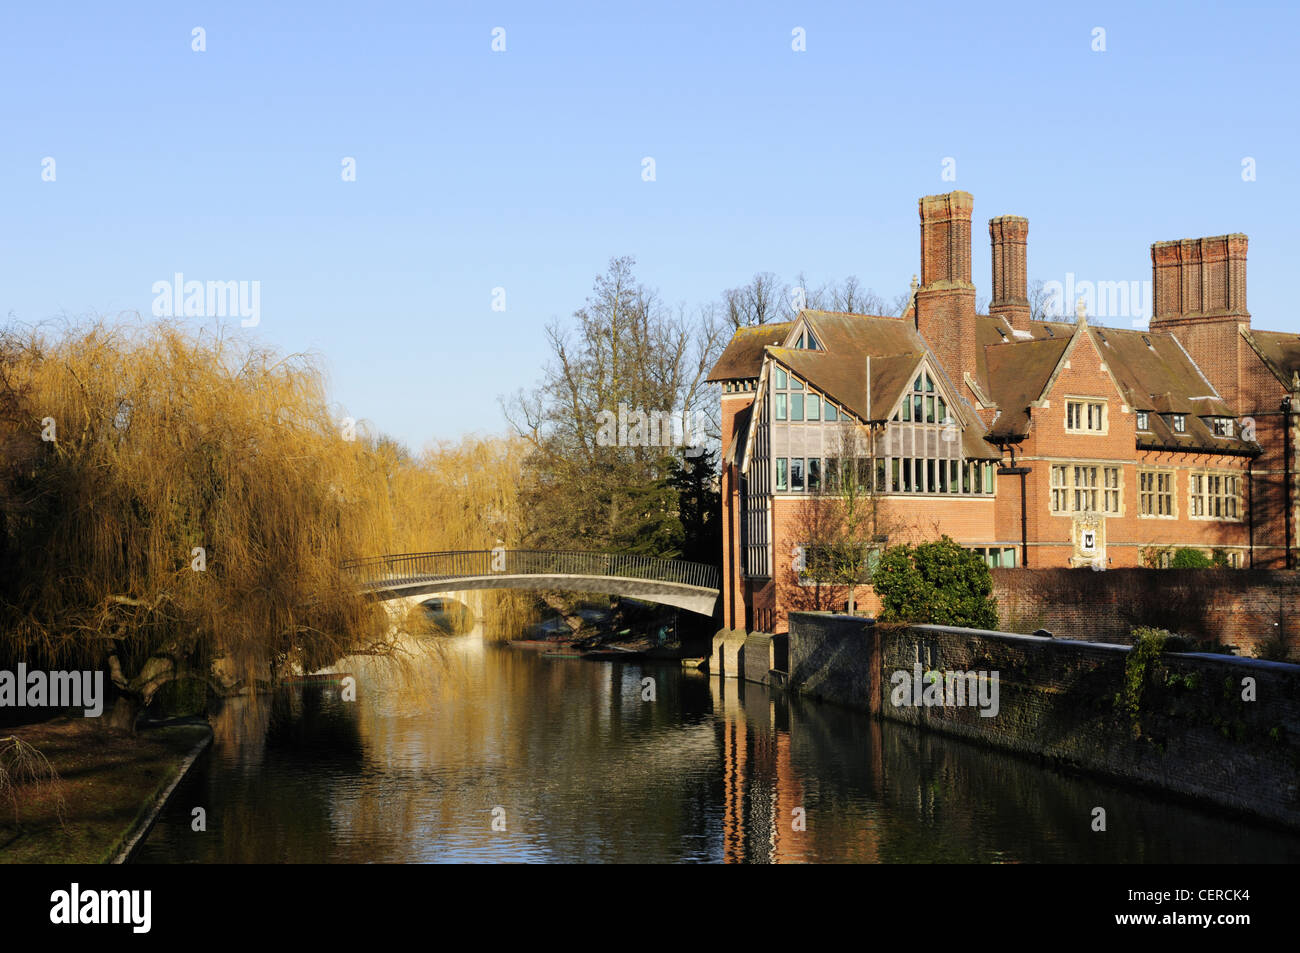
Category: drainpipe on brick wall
[1024,517]
[1286,470]
[1250,508]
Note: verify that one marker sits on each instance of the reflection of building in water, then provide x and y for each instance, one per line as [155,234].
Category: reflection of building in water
[779,755]
[765,816]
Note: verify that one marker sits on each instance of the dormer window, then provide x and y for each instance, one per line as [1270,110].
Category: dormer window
[1179,423]
[807,342]
[1221,426]
[1143,422]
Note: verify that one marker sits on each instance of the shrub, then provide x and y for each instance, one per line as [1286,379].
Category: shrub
[938,582]
[1188,558]
[1141,667]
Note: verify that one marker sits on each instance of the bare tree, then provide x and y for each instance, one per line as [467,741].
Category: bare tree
[851,296]
[627,365]
[762,301]
[1042,304]
[842,524]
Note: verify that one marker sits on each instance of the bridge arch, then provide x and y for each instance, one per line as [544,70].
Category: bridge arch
[684,585]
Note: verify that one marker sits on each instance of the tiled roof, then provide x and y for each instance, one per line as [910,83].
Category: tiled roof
[1280,352]
[1017,374]
[1154,374]
[894,349]
[992,331]
[840,368]
[743,356]
[1158,376]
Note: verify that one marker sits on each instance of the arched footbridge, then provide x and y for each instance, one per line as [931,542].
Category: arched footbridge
[671,582]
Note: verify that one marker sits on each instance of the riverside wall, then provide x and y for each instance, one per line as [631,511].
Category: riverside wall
[1215,728]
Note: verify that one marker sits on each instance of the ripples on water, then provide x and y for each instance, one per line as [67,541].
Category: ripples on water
[584,770]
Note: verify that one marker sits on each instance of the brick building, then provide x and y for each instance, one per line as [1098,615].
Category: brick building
[1038,443]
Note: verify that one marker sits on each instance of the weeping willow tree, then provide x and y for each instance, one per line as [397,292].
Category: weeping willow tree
[177,504]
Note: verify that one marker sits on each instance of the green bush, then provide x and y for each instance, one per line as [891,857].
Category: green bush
[939,582]
[1142,666]
[1187,558]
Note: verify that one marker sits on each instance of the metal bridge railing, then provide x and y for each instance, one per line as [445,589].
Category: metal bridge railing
[531,562]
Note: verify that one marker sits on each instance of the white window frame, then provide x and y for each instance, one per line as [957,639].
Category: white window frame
[1083,487]
[1155,493]
[1079,415]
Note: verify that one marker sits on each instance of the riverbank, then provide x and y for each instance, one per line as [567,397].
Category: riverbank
[1212,728]
[111,785]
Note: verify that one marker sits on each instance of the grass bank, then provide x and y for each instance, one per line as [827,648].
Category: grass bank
[109,784]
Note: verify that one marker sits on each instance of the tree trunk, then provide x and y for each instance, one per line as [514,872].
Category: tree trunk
[125,713]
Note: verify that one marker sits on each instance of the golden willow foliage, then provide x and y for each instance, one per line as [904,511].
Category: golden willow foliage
[169,441]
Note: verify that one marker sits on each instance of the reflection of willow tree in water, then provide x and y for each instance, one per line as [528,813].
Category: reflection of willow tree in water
[178,504]
[264,778]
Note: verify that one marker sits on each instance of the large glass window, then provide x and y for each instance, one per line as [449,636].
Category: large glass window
[1086,488]
[1215,495]
[796,406]
[781,403]
[796,473]
[782,473]
[1155,493]
[1085,416]
[1110,489]
[814,407]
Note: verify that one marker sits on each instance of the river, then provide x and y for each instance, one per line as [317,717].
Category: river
[497,754]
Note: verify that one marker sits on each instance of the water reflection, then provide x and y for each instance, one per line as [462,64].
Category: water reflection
[586,770]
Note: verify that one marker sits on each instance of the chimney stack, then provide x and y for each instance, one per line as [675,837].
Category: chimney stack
[1199,295]
[945,302]
[1009,235]
[1199,280]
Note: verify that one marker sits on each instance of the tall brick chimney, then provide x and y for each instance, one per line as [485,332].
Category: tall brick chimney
[945,302]
[1199,280]
[1199,294]
[1009,235]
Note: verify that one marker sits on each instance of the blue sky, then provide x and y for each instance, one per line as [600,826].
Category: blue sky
[522,169]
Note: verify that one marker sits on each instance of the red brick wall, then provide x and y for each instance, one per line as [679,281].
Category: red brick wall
[1243,608]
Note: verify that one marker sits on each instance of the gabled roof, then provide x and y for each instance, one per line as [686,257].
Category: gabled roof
[1279,351]
[992,331]
[743,356]
[840,370]
[1157,375]
[885,351]
[1151,369]
[1017,376]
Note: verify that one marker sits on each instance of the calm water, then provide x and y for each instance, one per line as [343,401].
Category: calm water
[578,767]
